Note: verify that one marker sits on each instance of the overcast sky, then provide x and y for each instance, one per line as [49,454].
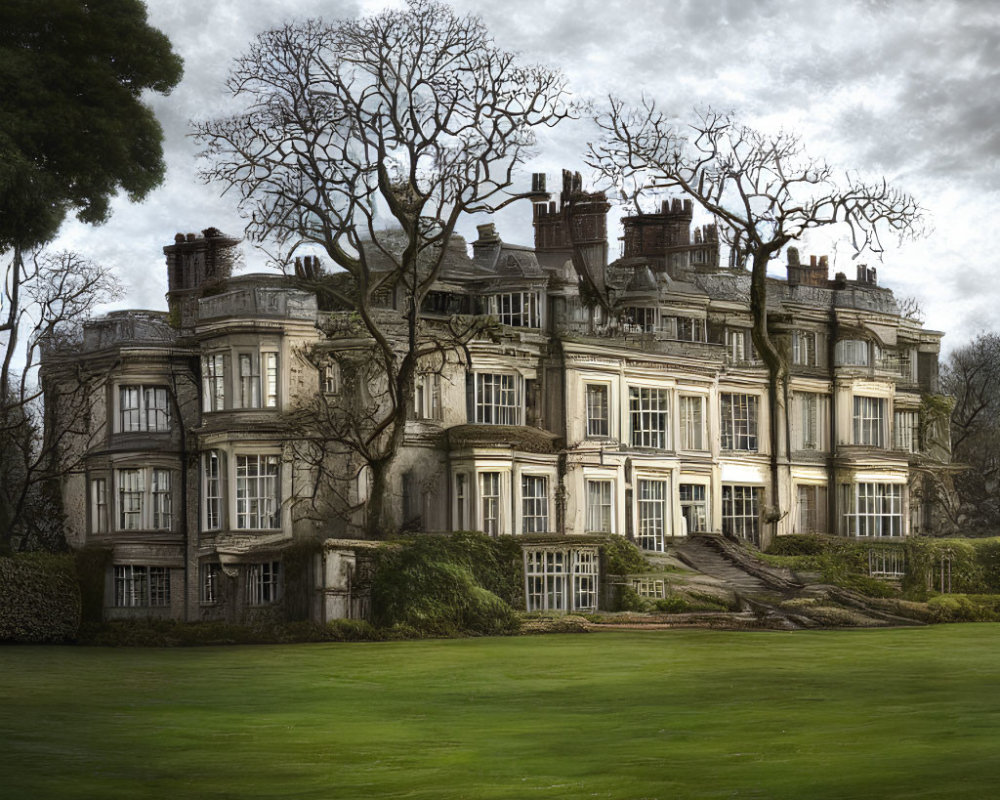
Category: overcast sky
[907,90]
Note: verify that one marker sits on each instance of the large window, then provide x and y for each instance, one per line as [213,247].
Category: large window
[213,379]
[851,353]
[692,411]
[694,507]
[598,417]
[143,408]
[739,421]
[519,309]
[599,508]
[811,420]
[496,399]
[690,329]
[640,320]
[652,508]
[804,350]
[869,421]
[145,501]
[906,431]
[534,504]
[561,579]
[649,412]
[263,583]
[872,509]
[258,375]
[811,509]
[489,502]
[212,490]
[257,501]
[141,587]
[545,576]
[741,512]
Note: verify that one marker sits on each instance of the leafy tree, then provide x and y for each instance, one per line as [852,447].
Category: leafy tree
[405,120]
[73,127]
[764,191]
[73,132]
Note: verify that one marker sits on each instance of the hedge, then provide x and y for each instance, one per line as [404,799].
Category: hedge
[39,598]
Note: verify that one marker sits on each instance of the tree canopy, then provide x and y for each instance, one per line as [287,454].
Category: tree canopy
[73,127]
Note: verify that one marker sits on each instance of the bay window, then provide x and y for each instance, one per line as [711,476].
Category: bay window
[145,500]
[496,399]
[213,380]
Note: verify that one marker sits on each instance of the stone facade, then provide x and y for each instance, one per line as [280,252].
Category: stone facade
[650,422]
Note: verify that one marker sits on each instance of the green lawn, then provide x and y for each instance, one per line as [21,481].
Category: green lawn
[668,714]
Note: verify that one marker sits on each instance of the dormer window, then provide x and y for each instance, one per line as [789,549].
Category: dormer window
[517,309]
[640,320]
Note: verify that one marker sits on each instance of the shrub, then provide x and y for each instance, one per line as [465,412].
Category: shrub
[39,598]
[630,600]
[622,557]
[672,604]
[437,585]
[799,545]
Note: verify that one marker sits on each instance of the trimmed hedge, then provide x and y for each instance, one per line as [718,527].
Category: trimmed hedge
[39,598]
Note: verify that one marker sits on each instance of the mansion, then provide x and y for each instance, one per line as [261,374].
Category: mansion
[651,422]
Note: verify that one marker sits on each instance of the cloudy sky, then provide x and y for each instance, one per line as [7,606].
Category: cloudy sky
[908,90]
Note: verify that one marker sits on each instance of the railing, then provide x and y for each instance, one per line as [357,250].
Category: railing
[634,338]
[259,301]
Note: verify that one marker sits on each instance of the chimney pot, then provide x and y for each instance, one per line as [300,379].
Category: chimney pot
[178,238]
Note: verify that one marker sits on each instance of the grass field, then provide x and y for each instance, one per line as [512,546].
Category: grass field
[909,713]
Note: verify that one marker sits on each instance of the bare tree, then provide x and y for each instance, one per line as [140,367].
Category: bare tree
[48,296]
[971,375]
[370,139]
[763,189]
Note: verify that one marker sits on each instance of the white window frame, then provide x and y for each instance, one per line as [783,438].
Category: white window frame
[213,378]
[736,345]
[649,417]
[142,408]
[517,309]
[212,483]
[137,586]
[693,434]
[100,520]
[740,420]
[693,499]
[263,583]
[811,423]
[852,353]
[490,489]
[534,503]
[427,396]
[258,491]
[597,398]
[906,430]
[498,398]
[600,505]
[741,506]
[584,565]
[331,377]
[805,348]
[872,509]
[869,420]
[652,510]
[143,499]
